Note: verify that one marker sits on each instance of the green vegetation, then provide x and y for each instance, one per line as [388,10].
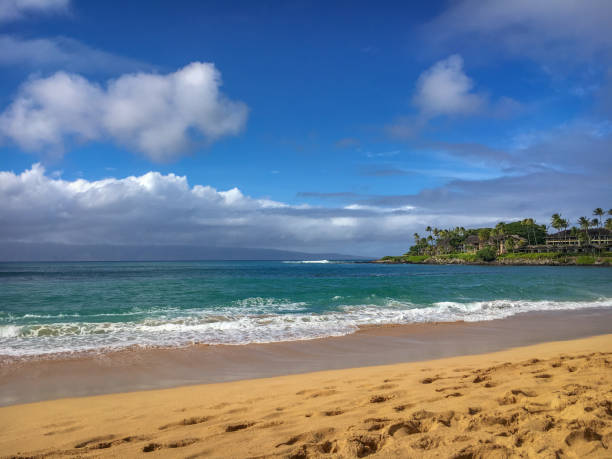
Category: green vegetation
[415,258]
[519,241]
[533,256]
[585,260]
[486,254]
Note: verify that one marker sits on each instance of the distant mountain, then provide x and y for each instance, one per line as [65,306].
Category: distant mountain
[66,252]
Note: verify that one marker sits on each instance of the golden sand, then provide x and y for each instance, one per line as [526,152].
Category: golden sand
[547,400]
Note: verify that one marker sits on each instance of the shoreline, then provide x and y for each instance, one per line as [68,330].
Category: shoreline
[546,400]
[155,368]
[502,262]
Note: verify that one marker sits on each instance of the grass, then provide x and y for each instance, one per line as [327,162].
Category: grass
[460,256]
[533,256]
[585,260]
[415,258]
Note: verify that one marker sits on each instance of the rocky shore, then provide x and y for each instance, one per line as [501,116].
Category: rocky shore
[502,261]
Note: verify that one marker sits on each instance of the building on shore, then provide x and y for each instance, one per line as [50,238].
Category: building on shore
[600,238]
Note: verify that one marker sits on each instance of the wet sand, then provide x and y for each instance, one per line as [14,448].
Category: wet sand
[138,369]
[551,400]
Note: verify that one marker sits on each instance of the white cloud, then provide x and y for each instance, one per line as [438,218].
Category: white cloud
[165,209]
[161,116]
[156,209]
[62,52]
[444,89]
[11,10]
[548,30]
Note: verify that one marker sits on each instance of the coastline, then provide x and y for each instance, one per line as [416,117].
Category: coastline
[157,368]
[497,262]
[545,400]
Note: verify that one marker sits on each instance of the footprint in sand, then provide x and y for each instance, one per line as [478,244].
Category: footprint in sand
[186,422]
[236,427]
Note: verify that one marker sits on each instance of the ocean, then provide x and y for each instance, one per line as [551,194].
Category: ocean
[49,308]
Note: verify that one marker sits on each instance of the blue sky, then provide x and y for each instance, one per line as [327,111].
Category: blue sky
[361,122]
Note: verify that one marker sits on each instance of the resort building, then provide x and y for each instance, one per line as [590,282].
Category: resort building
[598,237]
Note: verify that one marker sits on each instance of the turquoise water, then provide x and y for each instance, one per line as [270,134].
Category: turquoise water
[63,307]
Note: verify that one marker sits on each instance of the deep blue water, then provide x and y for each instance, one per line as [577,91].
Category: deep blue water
[58,307]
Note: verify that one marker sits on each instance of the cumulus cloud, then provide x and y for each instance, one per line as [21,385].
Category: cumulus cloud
[165,209]
[548,30]
[62,52]
[161,116]
[157,209]
[445,89]
[11,10]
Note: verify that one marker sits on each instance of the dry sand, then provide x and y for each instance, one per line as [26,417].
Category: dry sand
[546,400]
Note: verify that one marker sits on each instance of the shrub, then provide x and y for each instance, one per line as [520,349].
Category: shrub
[533,256]
[585,260]
[415,258]
[486,254]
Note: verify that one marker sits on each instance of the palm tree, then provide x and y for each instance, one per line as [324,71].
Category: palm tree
[428,229]
[524,223]
[556,222]
[501,232]
[609,224]
[564,222]
[599,212]
[585,223]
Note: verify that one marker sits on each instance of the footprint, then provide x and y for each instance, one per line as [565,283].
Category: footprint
[374,424]
[405,428]
[426,443]
[585,435]
[333,413]
[182,443]
[186,422]
[235,427]
[366,445]
[94,440]
[400,408]
[151,447]
[380,398]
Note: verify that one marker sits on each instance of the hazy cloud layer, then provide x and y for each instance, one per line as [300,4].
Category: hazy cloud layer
[12,10]
[565,170]
[161,116]
[547,30]
[63,53]
[165,209]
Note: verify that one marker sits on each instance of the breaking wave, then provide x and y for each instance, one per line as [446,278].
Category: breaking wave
[252,320]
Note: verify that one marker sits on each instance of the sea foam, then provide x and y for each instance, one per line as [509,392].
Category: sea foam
[255,320]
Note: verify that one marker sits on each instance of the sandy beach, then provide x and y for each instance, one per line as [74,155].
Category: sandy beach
[547,400]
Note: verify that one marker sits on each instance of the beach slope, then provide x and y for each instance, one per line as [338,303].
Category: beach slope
[546,400]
